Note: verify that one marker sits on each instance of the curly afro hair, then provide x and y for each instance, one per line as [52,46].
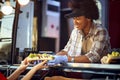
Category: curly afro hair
[89,6]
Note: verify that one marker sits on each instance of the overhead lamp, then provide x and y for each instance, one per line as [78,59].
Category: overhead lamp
[7,8]
[23,2]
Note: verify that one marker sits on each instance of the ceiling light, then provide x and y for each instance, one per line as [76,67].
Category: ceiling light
[7,8]
[23,2]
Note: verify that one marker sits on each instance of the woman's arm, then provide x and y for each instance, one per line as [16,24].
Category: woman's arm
[37,67]
[67,46]
[14,75]
[99,47]
[19,70]
[79,59]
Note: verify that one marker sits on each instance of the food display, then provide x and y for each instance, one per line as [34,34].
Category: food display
[112,58]
[44,56]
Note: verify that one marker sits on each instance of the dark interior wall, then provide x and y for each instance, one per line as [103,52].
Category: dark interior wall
[114,23]
[49,43]
[44,44]
[63,25]
[64,30]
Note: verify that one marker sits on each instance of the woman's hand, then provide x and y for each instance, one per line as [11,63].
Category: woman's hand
[104,60]
[24,64]
[37,67]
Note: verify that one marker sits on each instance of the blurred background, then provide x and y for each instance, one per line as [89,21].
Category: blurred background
[39,25]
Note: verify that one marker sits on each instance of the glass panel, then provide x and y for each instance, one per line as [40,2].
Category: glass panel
[6,25]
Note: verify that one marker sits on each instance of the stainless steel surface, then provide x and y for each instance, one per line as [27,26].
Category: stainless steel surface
[4,66]
[82,66]
[76,66]
[93,66]
[90,71]
[105,69]
[15,66]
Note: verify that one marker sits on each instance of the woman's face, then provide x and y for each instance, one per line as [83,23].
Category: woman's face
[81,22]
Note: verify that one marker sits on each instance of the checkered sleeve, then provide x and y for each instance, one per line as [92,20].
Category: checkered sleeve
[100,39]
[67,46]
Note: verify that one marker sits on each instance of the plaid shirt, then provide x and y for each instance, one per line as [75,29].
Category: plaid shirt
[94,45]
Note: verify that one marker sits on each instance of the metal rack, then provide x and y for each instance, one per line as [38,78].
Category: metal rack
[100,69]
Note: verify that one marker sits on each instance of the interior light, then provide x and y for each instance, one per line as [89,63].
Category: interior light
[7,8]
[23,2]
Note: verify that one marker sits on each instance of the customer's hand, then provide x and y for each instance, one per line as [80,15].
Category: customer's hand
[58,59]
[24,64]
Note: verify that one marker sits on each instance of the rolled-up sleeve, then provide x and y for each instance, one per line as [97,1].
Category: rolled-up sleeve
[67,46]
[98,45]
[69,43]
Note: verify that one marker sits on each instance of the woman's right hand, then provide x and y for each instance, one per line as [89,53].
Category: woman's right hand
[104,60]
[24,64]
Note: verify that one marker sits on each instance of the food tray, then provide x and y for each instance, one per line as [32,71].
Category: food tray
[114,60]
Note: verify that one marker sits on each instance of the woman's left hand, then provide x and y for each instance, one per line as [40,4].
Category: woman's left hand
[24,64]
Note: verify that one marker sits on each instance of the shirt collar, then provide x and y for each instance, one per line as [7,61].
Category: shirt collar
[90,32]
